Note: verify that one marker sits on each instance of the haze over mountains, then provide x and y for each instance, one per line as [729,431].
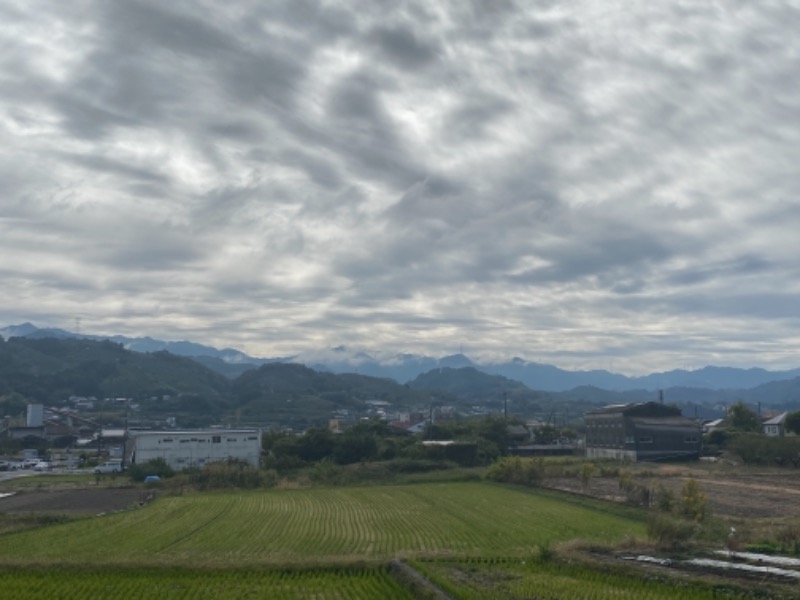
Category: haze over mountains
[404,368]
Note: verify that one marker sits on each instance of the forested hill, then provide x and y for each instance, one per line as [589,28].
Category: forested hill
[50,370]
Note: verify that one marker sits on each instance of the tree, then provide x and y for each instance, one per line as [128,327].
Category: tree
[792,422]
[742,418]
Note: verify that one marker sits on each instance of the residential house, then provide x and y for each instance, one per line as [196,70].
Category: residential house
[776,426]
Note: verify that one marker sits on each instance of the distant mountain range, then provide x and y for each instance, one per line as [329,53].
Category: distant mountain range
[404,368]
[52,368]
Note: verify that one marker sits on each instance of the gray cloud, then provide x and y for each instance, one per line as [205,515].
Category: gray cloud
[577,184]
[401,46]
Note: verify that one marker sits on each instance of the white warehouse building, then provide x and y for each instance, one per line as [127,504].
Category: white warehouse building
[183,449]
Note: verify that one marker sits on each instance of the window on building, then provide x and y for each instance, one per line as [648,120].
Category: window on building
[216,439]
[645,439]
[690,439]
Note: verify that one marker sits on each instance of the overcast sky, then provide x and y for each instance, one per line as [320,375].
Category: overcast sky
[592,183]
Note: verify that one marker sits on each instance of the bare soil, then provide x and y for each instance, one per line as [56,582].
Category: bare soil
[730,491]
[73,501]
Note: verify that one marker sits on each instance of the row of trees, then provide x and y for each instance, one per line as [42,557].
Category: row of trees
[742,418]
[476,441]
[743,436]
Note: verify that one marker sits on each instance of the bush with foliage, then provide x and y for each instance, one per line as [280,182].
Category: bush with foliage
[635,493]
[586,472]
[515,469]
[230,474]
[156,466]
[759,449]
[693,501]
[665,499]
[792,422]
[326,471]
[676,521]
[669,532]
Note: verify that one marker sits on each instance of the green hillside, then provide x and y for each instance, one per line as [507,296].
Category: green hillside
[51,369]
[295,394]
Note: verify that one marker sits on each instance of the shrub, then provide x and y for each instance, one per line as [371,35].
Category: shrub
[789,539]
[586,472]
[326,471]
[609,471]
[693,501]
[636,494]
[665,499]
[514,469]
[668,532]
[760,449]
[156,466]
[408,465]
[227,474]
[546,553]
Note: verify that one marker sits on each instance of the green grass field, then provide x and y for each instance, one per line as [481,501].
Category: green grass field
[113,583]
[477,540]
[321,525]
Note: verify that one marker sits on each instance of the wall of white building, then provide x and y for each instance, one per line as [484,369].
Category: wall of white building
[183,449]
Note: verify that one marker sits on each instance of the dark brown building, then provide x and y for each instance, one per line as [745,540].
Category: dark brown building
[641,432]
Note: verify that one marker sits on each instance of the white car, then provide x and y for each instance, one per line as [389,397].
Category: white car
[42,465]
[109,467]
[30,463]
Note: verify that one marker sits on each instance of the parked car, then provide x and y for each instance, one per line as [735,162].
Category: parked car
[112,467]
[42,465]
[30,463]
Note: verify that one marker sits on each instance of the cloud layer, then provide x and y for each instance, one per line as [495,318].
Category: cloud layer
[594,184]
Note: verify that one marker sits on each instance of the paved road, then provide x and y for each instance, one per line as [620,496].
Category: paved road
[6,475]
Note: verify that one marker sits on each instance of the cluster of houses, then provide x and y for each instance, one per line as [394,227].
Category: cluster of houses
[179,449]
[648,431]
[772,426]
[651,431]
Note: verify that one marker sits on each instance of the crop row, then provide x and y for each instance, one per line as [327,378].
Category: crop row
[517,579]
[319,524]
[168,584]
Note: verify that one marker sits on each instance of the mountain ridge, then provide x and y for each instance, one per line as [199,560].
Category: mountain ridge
[405,367]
